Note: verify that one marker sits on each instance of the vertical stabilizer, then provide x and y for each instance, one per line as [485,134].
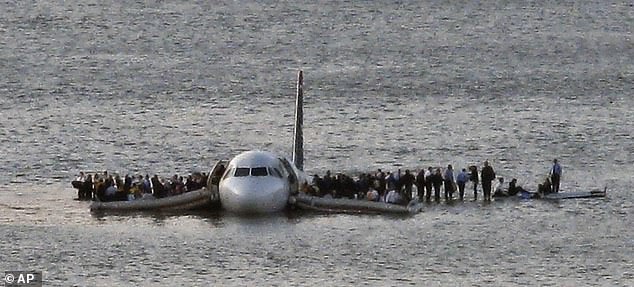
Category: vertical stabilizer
[298,134]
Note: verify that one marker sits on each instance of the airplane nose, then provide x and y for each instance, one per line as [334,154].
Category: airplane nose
[247,196]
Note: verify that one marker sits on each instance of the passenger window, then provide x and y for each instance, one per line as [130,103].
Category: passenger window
[242,171]
[259,171]
[275,172]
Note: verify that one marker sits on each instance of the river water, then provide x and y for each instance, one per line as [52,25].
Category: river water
[169,87]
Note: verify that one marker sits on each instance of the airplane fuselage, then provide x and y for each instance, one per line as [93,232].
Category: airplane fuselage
[257,182]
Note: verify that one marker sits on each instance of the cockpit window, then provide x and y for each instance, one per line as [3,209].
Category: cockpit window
[259,171]
[242,171]
[275,172]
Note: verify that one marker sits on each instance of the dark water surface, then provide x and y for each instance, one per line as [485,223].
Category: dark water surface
[170,87]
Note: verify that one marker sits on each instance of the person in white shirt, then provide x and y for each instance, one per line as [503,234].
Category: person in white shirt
[428,183]
[393,197]
[79,180]
[498,191]
[78,183]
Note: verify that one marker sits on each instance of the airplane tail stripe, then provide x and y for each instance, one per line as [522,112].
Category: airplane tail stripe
[298,135]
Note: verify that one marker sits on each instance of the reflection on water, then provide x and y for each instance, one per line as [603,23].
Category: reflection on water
[502,242]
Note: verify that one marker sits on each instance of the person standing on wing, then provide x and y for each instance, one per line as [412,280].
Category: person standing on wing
[473,176]
[461,180]
[488,175]
[555,175]
[449,182]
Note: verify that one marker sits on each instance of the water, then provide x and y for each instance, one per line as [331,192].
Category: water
[169,87]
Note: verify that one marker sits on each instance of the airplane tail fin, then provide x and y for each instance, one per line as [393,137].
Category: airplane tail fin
[298,134]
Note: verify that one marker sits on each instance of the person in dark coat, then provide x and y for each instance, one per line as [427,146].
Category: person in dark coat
[349,187]
[420,184]
[380,177]
[398,182]
[514,189]
[327,184]
[127,183]
[449,182]
[362,185]
[408,182]
[100,188]
[437,181]
[488,175]
[158,188]
[88,188]
[544,188]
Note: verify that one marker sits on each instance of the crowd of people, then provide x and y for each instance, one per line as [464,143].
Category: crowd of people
[108,187]
[397,187]
[391,187]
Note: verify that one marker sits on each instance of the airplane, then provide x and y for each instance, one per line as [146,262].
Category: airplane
[259,182]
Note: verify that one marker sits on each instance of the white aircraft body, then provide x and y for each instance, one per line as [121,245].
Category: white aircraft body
[260,181]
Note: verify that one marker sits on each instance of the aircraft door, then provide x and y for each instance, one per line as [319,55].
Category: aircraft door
[214,177]
[292,176]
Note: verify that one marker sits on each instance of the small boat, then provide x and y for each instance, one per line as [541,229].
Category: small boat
[345,205]
[577,194]
[186,201]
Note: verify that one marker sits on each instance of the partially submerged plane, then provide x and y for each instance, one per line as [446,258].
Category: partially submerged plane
[258,182]
[261,181]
